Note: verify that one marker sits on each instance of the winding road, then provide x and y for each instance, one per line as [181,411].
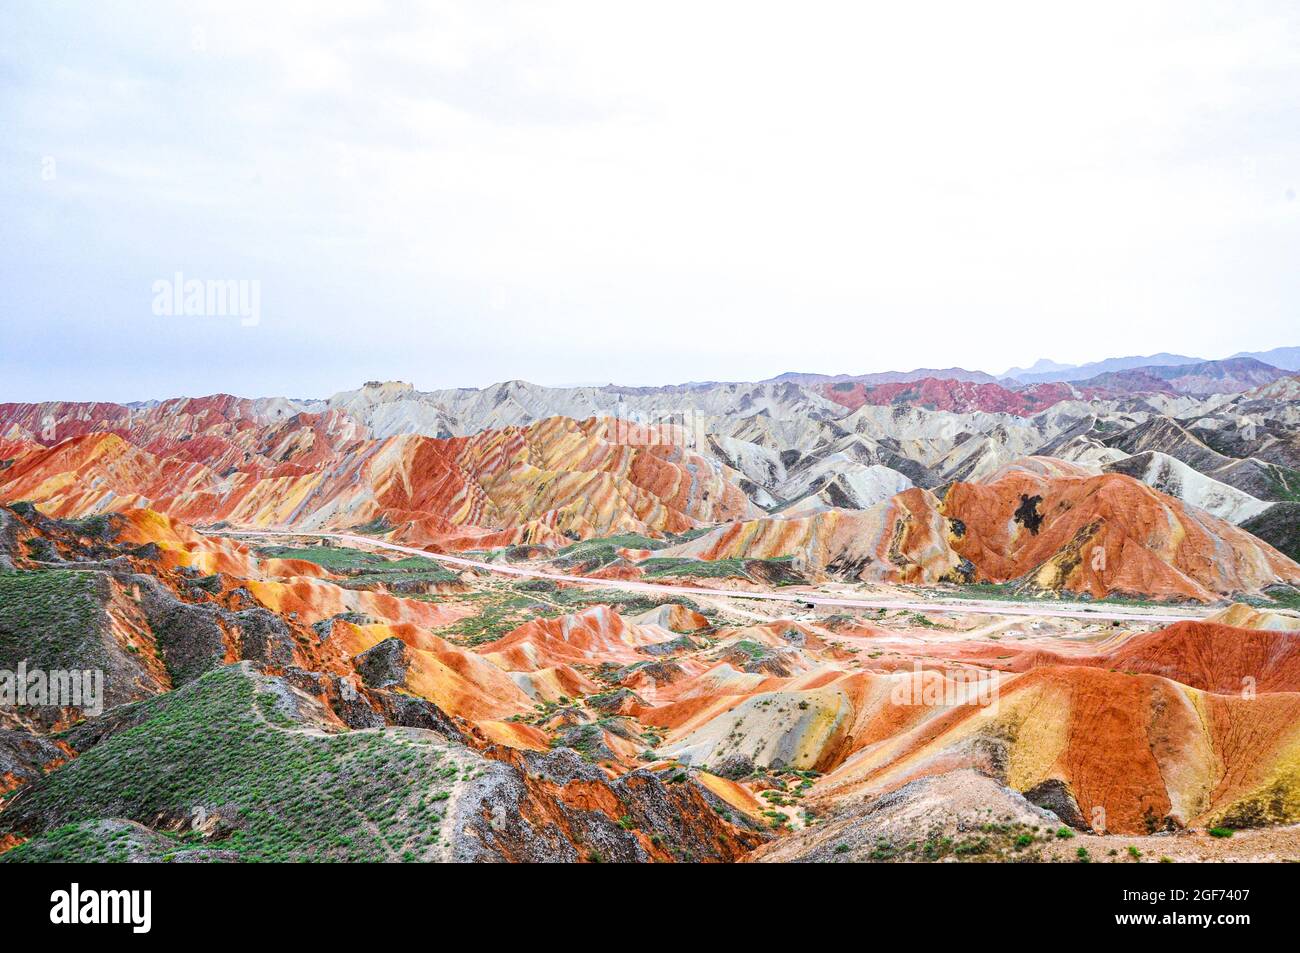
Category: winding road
[1100,613]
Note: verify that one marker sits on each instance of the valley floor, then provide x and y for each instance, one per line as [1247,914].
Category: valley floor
[894,597]
[509,706]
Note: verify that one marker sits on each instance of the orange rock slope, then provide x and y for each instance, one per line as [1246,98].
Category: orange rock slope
[1048,524]
[1134,752]
[1205,655]
[1102,535]
[1156,730]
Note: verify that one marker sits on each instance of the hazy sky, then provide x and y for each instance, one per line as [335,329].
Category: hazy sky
[456,194]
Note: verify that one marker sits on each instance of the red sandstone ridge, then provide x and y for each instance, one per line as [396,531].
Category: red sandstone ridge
[218,431]
[1102,535]
[953,395]
[553,481]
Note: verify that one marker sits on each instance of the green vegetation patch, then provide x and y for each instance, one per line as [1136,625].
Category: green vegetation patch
[605,550]
[377,526]
[397,581]
[659,566]
[1014,592]
[1284,483]
[499,613]
[1279,526]
[1278,597]
[621,601]
[331,557]
[224,746]
[51,617]
[503,608]
[367,570]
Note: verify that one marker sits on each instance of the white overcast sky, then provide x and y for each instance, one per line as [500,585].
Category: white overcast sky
[456,194]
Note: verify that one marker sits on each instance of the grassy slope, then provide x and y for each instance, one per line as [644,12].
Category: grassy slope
[366,569]
[658,567]
[49,617]
[224,744]
[1279,526]
[331,557]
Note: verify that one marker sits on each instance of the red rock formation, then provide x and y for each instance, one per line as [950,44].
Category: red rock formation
[953,395]
[550,482]
[1049,524]
[1104,534]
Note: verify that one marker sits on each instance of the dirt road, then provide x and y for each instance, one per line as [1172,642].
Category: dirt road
[1103,613]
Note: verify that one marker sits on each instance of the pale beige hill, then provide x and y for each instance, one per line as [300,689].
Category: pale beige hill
[1247,617]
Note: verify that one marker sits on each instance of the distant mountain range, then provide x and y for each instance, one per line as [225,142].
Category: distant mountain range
[1287,358]
[1040,366]
[962,391]
[1042,371]
[1202,379]
[1081,372]
[1046,371]
[886,377]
